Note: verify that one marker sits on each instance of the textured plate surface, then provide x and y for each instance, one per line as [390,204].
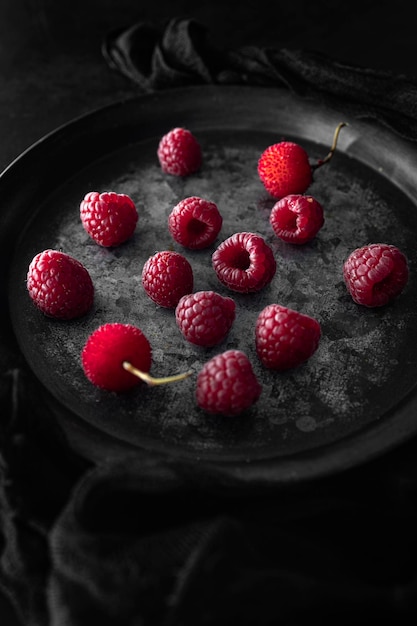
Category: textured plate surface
[351,401]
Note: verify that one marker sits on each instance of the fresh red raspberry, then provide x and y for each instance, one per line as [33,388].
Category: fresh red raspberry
[109,218]
[60,285]
[166,277]
[205,317]
[375,274]
[296,218]
[195,222]
[227,384]
[285,338]
[105,351]
[179,152]
[244,263]
[284,169]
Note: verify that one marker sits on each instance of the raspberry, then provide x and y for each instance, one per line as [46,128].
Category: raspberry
[285,338]
[284,169]
[195,223]
[166,277]
[179,152]
[296,218]
[244,263]
[105,351]
[375,274]
[227,384]
[59,285]
[205,317]
[109,218]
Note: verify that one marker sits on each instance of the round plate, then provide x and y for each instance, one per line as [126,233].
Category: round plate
[351,401]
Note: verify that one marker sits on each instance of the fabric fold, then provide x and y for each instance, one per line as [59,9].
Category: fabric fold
[128,549]
[181,53]
[36,477]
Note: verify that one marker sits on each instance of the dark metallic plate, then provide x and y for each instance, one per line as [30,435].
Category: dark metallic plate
[353,400]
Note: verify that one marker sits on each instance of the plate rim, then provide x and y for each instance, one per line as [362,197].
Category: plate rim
[327,458]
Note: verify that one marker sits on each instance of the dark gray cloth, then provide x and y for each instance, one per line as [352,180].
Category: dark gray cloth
[181,53]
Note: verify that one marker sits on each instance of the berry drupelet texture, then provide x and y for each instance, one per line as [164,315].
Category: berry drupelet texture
[179,152]
[227,384]
[296,218]
[59,285]
[375,274]
[285,338]
[166,277]
[205,317]
[244,262]
[109,218]
[195,222]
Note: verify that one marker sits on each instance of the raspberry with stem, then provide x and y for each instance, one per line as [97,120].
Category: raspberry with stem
[284,168]
[116,357]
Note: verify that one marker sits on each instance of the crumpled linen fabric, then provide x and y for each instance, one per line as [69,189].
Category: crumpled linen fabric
[36,478]
[154,542]
[150,541]
[128,551]
[181,53]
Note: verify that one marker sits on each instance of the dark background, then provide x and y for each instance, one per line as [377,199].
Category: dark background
[52,69]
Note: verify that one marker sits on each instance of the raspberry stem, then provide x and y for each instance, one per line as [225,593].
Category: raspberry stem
[333,147]
[150,380]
